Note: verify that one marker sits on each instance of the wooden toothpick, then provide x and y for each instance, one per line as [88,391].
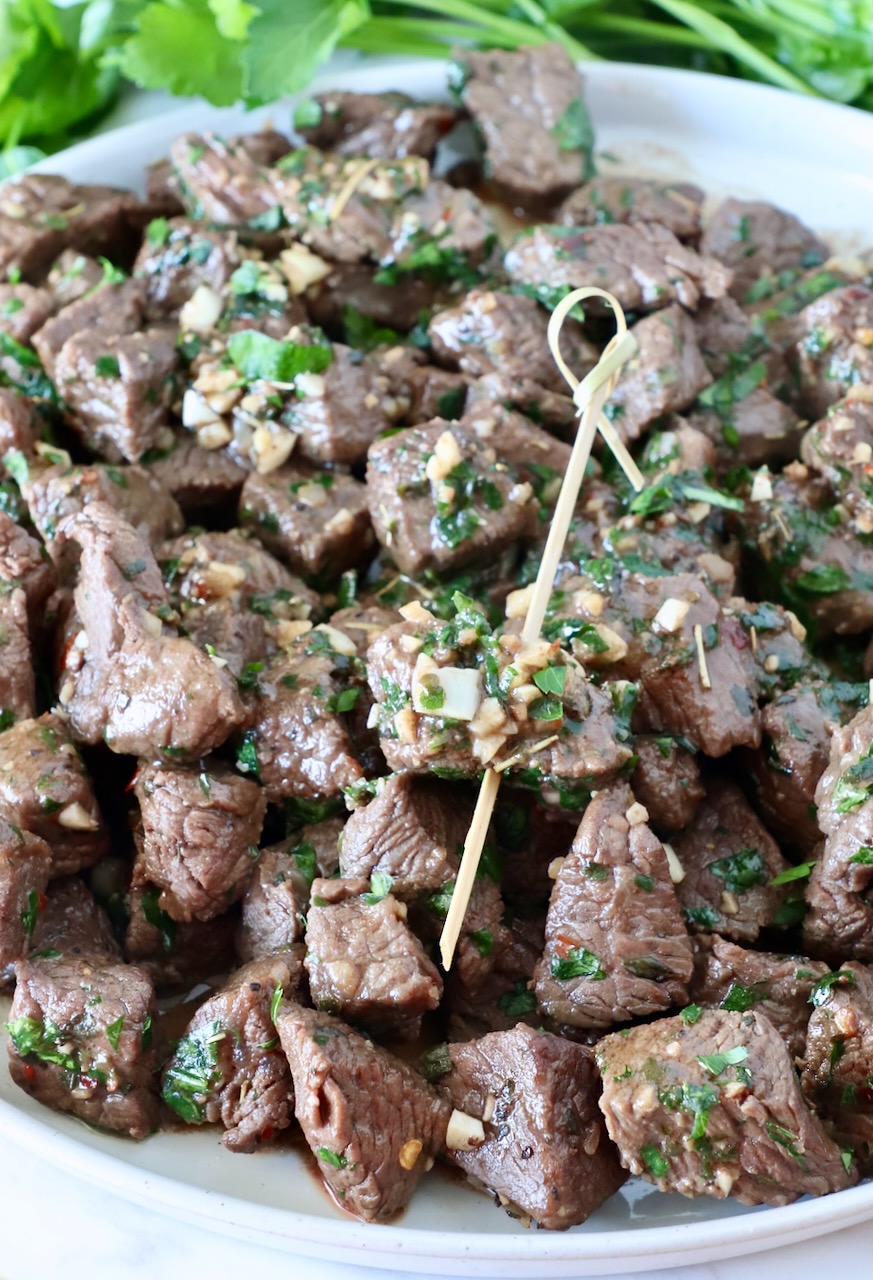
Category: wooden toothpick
[589,396]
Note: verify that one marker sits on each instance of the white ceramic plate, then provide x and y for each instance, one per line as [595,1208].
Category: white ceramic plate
[811,157]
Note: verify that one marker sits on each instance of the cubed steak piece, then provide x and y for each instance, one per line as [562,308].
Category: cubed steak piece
[529,107]
[839,895]
[644,266]
[387,125]
[838,1059]
[25,866]
[73,275]
[80,1033]
[228,1066]
[17,689]
[134,681]
[20,423]
[712,1106]
[23,310]
[114,308]
[745,420]
[666,374]
[834,351]
[44,214]
[200,833]
[374,1125]
[439,500]
[729,860]
[540,1145]
[364,962]
[318,522]
[753,238]
[227,181]
[276,901]
[176,954]
[199,480]
[840,446]
[24,564]
[738,979]
[616,947]
[72,921]
[44,784]
[666,780]
[177,255]
[675,205]
[502,998]
[206,568]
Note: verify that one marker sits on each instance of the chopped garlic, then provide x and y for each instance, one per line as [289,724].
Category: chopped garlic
[464,1133]
[518,602]
[671,614]
[339,641]
[310,384]
[200,313]
[302,268]
[637,814]
[461,688]
[415,612]
[445,457]
[75,817]
[271,449]
[762,486]
[215,435]
[195,411]
[674,866]
[409,1153]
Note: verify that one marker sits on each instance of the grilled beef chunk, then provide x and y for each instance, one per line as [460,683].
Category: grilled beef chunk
[23,563]
[838,1060]
[840,446]
[645,267]
[25,866]
[712,1106]
[439,499]
[73,275]
[616,947]
[227,181]
[738,980]
[833,351]
[316,521]
[534,454]
[727,339]
[71,921]
[665,375]
[666,781]
[490,331]
[297,740]
[503,997]
[176,954]
[372,1122]
[200,836]
[177,255]
[276,901]
[23,310]
[363,961]
[674,205]
[62,490]
[729,860]
[119,389]
[115,309]
[387,125]
[45,788]
[545,1151]
[80,1031]
[803,550]
[228,1066]
[410,832]
[206,568]
[528,106]
[745,421]
[20,423]
[44,214]
[840,891]
[141,688]
[199,480]
[752,238]
[17,691]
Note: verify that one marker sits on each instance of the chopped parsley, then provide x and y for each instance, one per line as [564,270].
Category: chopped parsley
[577,963]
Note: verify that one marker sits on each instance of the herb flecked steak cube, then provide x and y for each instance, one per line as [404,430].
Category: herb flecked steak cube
[80,1033]
[175,954]
[838,446]
[25,866]
[71,921]
[373,1123]
[177,255]
[834,351]
[752,238]
[708,1103]
[17,692]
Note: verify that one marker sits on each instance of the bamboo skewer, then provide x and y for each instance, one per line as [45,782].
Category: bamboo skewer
[589,396]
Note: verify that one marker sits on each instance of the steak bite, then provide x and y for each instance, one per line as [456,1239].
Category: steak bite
[176,954]
[544,1151]
[503,997]
[114,308]
[834,350]
[46,789]
[729,861]
[746,422]
[838,1060]
[228,1066]
[387,125]
[840,446]
[227,181]
[665,375]
[73,275]
[17,689]
[206,568]
[439,499]
[71,921]
[666,781]
[318,522]
[644,266]
[605,200]
[177,255]
[23,310]
[374,1125]
[712,1106]
[80,1032]
[199,480]
[616,947]
[20,423]
[24,564]
[528,105]
[840,891]
[363,961]
[736,979]
[44,214]
[133,681]
[752,238]
[200,833]
[25,866]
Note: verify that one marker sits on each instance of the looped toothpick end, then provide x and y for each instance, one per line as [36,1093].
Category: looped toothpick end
[589,396]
